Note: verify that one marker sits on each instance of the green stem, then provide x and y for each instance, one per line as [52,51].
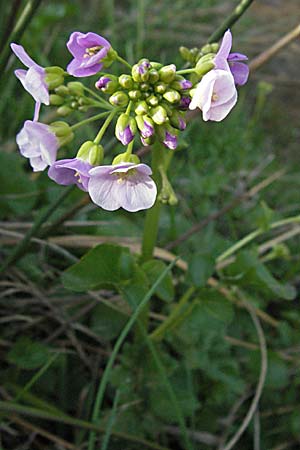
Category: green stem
[22,246]
[102,100]
[89,119]
[24,19]
[104,127]
[123,61]
[253,235]
[183,71]
[118,344]
[152,215]
[230,20]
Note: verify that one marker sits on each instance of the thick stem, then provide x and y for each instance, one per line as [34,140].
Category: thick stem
[230,20]
[152,215]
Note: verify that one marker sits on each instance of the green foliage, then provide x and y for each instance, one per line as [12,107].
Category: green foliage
[26,354]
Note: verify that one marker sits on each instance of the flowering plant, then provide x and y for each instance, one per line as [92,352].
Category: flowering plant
[149,102]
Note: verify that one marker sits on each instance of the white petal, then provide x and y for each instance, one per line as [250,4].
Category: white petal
[104,192]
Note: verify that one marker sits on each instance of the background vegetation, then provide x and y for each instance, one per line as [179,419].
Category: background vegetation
[190,383]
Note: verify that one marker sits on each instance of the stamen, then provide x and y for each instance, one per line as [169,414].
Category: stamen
[214,97]
[91,51]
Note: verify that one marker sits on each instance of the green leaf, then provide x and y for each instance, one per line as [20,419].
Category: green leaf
[201,267]
[106,265]
[27,354]
[106,322]
[253,272]
[165,290]
[136,288]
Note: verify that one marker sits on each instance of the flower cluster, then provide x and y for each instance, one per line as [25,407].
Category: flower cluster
[151,101]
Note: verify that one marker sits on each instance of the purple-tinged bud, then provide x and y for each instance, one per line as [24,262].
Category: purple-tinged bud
[159,115]
[147,141]
[167,73]
[168,136]
[119,98]
[140,71]
[172,96]
[184,102]
[125,129]
[141,108]
[107,84]
[145,125]
[181,84]
[126,81]
[177,120]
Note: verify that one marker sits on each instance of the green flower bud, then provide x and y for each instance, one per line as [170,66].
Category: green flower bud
[203,68]
[214,47]
[64,110]
[76,88]
[153,76]
[177,120]
[124,157]
[141,108]
[126,81]
[56,100]
[54,76]
[62,131]
[159,115]
[62,90]
[140,71]
[134,94]
[91,152]
[156,65]
[152,100]
[185,53]
[172,96]
[119,98]
[144,87]
[147,141]
[167,73]
[160,87]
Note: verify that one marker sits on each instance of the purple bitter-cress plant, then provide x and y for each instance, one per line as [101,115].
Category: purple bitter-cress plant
[151,102]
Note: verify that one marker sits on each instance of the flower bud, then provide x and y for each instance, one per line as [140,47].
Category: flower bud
[64,110]
[204,67]
[124,157]
[177,120]
[76,88]
[107,84]
[62,90]
[172,96]
[140,71]
[185,53]
[134,94]
[91,152]
[126,81]
[119,98]
[167,73]
[125,129]
[184,102]
[62,131]
[152,100]
[168,136]
[141,108]
[180,83]
[56,100]
[160,87]
[147,141]
[156,65]
[54,76]
[153,76]
[159,115]
[145,125]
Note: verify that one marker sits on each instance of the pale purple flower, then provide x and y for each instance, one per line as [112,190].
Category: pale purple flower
[231,61]
[102,82]
[71,171]
[37,142]
[215,95]
[88,50]
[32,79]
[125,185]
